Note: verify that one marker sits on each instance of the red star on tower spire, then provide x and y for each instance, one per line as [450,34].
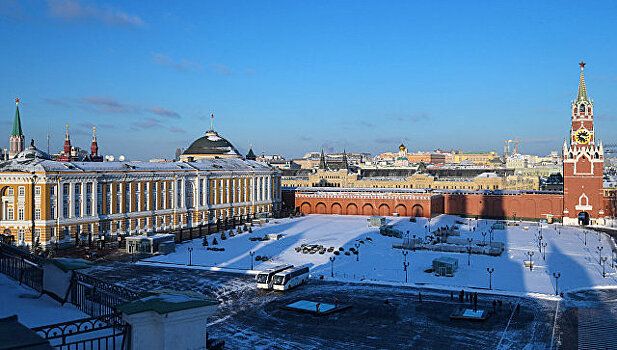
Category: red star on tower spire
[582,64]
[17,101]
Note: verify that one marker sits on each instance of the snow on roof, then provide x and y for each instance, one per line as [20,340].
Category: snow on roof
[488,174]
[42,165]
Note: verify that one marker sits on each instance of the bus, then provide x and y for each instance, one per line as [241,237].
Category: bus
[264,278]
[290,278]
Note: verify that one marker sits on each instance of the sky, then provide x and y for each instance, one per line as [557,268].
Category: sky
[291,77]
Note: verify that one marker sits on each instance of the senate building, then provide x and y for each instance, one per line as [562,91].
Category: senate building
[72,199]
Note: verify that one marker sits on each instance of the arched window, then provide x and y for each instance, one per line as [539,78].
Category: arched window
[596,155]
[581,108]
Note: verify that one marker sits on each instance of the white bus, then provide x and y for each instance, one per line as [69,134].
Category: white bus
[290,278]
[264,278]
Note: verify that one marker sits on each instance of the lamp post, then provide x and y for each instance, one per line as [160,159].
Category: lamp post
[357,245]
[585,232]
[251,253]
[544,244]
[405,266]
[469,251]
[33,238]
[603,266]
[600,251]
[190,249]
[404,255]
[484,237]
[414,243]
[557,275]
[490,277]
[332,258]
[530,261]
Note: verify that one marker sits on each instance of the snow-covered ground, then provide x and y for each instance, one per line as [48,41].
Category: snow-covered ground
[31,308]
[566,253]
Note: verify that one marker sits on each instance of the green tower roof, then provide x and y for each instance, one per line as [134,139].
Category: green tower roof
[17,122]
[582,89]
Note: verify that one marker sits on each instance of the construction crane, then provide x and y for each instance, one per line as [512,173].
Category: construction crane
[517,140]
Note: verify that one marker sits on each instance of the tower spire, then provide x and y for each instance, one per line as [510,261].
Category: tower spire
[16,139]
[322,161]
[582,89]
[67,142]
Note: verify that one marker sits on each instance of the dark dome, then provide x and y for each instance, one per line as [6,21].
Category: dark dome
[212,144]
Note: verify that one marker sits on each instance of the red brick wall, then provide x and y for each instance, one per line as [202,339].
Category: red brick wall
[532,206]
[369,206]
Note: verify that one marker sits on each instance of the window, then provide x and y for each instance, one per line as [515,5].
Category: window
[21,191]
[10,192]
[65,189]
[107,199]
[20,213]
[10,213]
[37,214]
[155,198]
[52,209]
[581,108]
[118,198]
[21,235]
[37,191]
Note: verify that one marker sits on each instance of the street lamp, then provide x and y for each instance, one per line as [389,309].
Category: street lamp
[557,275]
[357,245]
[603,268]
[414,243]
[332,258]
[405,266]
[490,277]
[484,237]
[585,231]
[190,249]
[530,261]
[251,254]
[544,244]
[469,251]
[600,251]
[405,255]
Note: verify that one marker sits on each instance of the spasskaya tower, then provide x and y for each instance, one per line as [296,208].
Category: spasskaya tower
[583,164]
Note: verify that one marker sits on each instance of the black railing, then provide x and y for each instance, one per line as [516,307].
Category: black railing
[101,332]
[22,266]
[97,297]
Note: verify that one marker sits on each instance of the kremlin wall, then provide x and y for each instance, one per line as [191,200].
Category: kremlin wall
[583,200]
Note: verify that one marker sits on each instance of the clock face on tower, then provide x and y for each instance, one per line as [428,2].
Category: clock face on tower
[582,136]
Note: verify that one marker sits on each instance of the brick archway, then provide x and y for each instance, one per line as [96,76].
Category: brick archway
[367,209]
[305,208]
[352,209]
[336,209]
[384,210]
[401,210]
[417,210]
[320,208]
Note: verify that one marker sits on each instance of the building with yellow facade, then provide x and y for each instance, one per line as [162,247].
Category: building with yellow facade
[46,202]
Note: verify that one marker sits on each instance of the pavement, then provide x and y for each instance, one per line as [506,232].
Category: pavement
[380,316]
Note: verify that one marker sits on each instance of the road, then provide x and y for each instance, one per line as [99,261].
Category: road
[380,316]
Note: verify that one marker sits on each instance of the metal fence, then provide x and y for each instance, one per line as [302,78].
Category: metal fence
[97,297]
[22,266]
[100,332]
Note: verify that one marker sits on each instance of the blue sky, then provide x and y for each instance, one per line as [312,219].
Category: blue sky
[292,77]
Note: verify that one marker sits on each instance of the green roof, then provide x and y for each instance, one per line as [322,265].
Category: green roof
[251,154]
[17,124]
[164,301]
[582,89]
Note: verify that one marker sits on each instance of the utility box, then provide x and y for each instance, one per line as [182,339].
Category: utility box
[445,266]
[376,221]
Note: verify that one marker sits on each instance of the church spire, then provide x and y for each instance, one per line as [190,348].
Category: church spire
[322,161]
[582,89]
